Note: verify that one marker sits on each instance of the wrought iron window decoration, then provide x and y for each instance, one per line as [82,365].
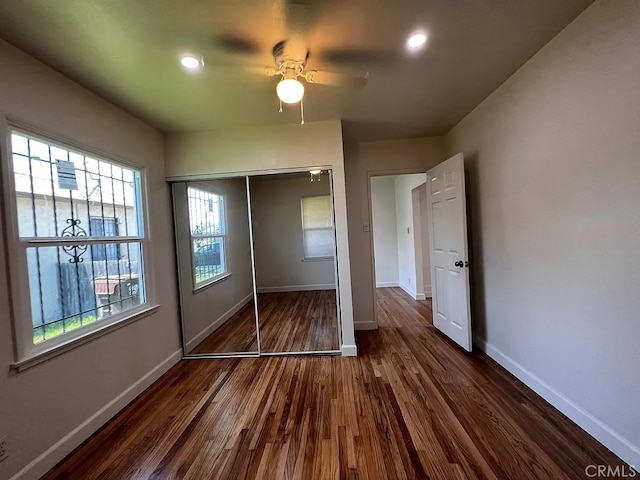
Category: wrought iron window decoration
[74,230]
[67,181]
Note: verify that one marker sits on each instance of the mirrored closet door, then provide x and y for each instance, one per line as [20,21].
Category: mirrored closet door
[213,247]
[257,265]
[294,249]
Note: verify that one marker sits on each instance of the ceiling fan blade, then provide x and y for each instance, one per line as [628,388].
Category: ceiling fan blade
[236,44]
[336,79]
[348,56]
[251,69]
[259,70]
[300,16]
[217,63]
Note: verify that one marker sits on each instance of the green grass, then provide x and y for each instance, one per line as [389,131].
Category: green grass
[202,275]
[55,329]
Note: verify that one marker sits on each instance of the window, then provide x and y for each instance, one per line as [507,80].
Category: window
[79,244]
[104,227]
[208,235]
[317,228]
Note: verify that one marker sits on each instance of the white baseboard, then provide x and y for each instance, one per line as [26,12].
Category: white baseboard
[349,350]
[47,460]
[408,290]
[297,288]
[370,325]
[217,323]
[599,430]
[387,284]
[413,294]
[427,291]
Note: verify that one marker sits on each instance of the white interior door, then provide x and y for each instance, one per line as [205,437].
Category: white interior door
[447,219]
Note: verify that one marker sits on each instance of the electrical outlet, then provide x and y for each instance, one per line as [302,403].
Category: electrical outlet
[4,453]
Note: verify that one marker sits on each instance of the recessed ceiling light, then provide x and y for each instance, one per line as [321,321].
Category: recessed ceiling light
[416,40]
[191,62]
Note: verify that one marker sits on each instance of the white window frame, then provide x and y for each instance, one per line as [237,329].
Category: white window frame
[227,271]
[27,353]
[332,228]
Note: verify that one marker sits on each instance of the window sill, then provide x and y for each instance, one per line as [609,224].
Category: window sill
[211,282]
[318,259]
[74,343]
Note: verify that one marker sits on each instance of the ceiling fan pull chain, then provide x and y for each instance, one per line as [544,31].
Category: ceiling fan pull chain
[301,112]
[280,106]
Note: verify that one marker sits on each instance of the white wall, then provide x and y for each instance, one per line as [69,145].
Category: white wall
[362,161]
[315,144]
[109,371]
[277,234]
[208,308]
[553,159]
[407,267]
[384,230]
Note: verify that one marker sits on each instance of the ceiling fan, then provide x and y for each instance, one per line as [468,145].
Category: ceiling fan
[290,64]
[290,56]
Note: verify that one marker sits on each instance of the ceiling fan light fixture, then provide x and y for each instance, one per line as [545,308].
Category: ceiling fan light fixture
[315,171]
[290,90]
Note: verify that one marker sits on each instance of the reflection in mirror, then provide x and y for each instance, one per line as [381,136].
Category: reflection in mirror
[214,259]
[294,242]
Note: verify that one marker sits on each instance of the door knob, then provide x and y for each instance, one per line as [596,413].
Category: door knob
[459,263]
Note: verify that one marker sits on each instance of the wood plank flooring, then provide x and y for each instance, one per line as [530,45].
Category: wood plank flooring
[410,406]
[298,321]
[238,334]
[289,322]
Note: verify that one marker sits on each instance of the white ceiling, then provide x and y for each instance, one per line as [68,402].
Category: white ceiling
[127,51]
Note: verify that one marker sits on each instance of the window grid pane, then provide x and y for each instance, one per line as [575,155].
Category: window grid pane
[208,258]
[318,243]
[63,195]
[207,225]
[66,296]
[317,225]
[206,212]
[53,185]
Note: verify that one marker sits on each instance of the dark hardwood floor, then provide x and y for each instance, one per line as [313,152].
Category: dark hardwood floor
[238,334]
[411,405]
[289,322]
[298,321]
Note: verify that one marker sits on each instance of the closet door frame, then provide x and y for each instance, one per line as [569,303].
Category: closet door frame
[248,175]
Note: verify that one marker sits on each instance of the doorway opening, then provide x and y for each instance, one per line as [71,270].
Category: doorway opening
[400,239]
